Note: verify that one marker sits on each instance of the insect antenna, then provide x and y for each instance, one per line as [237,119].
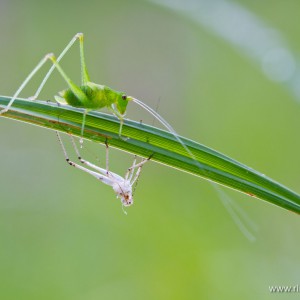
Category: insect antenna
[244,223]
[168,127]
[234,216]
[156,110]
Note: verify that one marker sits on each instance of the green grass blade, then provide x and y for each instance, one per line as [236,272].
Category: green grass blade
[145,140]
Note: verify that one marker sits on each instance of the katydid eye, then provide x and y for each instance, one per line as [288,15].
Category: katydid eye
[124,97]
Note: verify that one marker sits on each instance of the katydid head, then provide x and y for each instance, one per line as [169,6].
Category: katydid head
[122,102]
[123,189]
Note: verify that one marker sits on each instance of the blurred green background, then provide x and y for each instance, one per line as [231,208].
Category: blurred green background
[63,235]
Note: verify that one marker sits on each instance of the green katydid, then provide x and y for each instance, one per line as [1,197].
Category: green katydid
[89,95]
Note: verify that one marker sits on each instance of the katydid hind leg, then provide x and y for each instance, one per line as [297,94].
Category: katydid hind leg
[81,96]
[60,56]
[85,78]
